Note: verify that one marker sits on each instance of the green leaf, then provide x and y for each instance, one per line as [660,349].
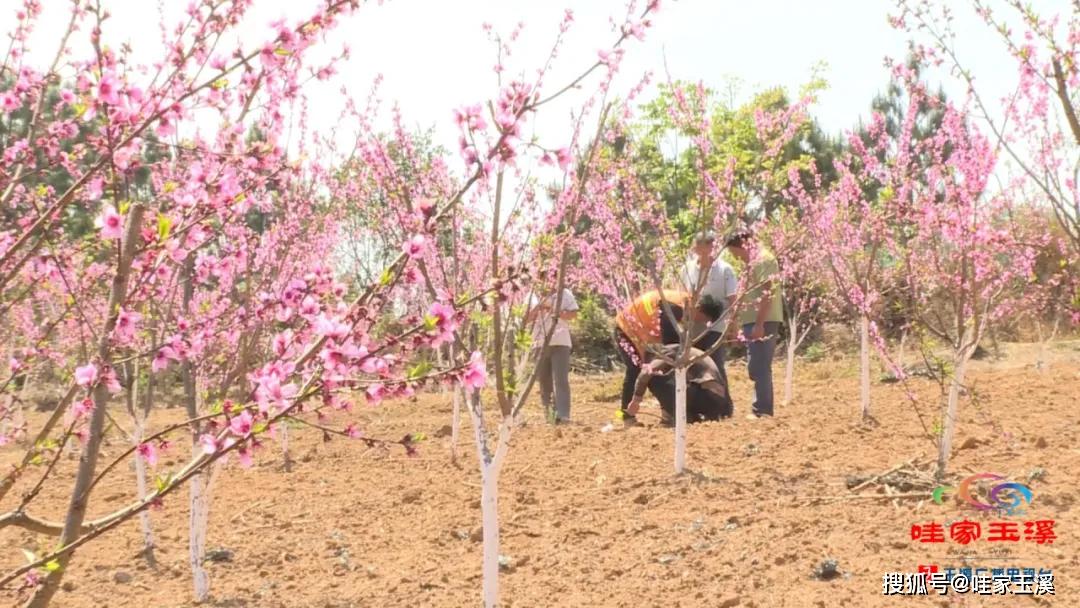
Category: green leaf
[419,370]
[161,482]
[430,322]
[417,437]
[260,427]
[386,277]
[123,207]
[52,565]
[164,226]
[282,52]
[220,83]
[523,340]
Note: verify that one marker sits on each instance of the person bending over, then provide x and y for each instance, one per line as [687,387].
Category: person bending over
[707,396]
[644,326]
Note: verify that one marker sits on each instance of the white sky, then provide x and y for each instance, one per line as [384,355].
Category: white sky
[435,57]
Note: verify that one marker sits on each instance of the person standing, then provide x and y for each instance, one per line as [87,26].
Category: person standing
[553,371]
[761,314]
[706,274]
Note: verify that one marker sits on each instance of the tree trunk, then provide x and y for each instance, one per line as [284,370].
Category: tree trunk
[955,386]
[13,424]
[864,366]
[455,423]
[285,457]
[198,485]
[455,417]
[76,512]
[138,419]
[9,419]
[900,354]
[789,371]
[680,419]
[489,513]
[1044,342]
[490,466]
[198,522]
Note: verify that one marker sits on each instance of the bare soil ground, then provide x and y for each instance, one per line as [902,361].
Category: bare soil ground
[598,519]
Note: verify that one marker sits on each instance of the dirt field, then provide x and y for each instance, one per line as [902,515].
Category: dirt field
[598,519]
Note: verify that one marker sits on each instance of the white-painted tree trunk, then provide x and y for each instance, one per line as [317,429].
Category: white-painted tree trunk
[15,426]
[455,423]
[900,353]
[455,416]
[12,419]
[198,524]
[1044,342]
[489,514]
[789,370]
[490,466]
[680,420]
[864,366]
[18,420]
[143,488]
[138,420]
[13,423]
[949,428]
[199,484]
[285,457]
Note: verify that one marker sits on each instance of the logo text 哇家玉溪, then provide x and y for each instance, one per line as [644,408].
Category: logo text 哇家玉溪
[966,532]
[1006,497]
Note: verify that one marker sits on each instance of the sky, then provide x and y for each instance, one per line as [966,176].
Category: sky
[434,55]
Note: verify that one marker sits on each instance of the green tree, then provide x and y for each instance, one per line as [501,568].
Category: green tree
[669,160]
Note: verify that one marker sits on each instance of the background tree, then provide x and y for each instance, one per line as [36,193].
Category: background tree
[1037,127]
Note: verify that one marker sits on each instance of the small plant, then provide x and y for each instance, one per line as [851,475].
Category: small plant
[937,429]
[815,352]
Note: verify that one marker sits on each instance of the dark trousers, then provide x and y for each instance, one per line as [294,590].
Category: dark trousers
[553,375]
[704,343]
[759,356]
[701,404]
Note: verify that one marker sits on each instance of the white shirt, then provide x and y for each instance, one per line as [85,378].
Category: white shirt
[561,335]
[720,283]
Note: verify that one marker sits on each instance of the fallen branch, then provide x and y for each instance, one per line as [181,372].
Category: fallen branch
[846,497]
[241,512]
[910,463]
